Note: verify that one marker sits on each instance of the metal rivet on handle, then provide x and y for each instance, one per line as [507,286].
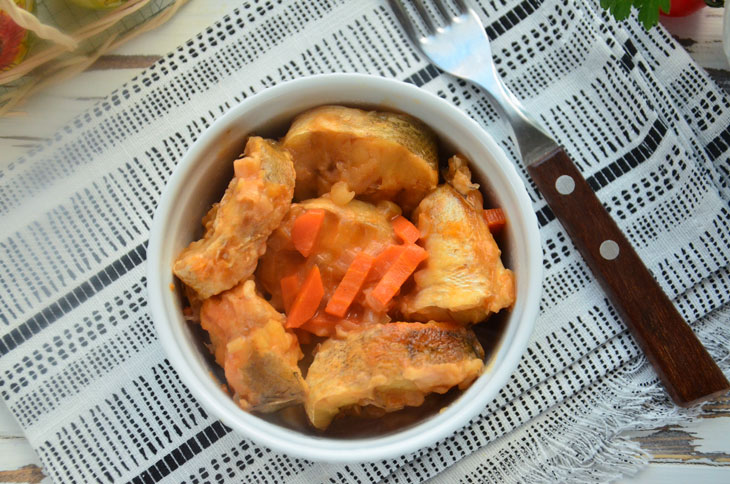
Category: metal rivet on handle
[609,249]
[565,185]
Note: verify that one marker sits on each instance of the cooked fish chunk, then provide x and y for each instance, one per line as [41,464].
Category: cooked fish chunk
[390,366]
[236,229]
[262,370]
[249,341]
[347,229]
[235,313]
[380,155]
[464,279]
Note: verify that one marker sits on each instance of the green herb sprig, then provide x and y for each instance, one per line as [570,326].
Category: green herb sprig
[648,9]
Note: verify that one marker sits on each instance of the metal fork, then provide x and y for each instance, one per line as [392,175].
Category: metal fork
[458,44]
[461,48]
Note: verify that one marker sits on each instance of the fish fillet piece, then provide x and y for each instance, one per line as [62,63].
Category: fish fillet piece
[464,280]
[380,155]
[390,366]
[249,341]
[237,227]
[235,313]
[262,370]
[347,229]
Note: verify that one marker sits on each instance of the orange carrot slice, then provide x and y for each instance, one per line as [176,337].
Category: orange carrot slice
[307,300]
[495,218]
[289,289]
[321,324]
[350,285]
[304,337]
[396,276]
[384,260]
[404,229]
[306,229]
[326,325]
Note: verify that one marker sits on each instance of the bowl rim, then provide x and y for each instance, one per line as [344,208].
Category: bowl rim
[289,441]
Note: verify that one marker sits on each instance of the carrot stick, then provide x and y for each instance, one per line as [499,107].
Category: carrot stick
[307,300]
[306,229]
[396,276]
[321,324]
[350,285]
[304,337]
[289,290]
[404,229]
[316,329]
[384,260]
[495,218]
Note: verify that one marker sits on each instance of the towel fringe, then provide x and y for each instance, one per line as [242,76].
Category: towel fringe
[589,448]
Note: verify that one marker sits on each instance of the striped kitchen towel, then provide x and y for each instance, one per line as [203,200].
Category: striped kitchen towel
[80,364]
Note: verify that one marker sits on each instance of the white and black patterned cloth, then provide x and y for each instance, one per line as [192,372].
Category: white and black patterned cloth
[80,365]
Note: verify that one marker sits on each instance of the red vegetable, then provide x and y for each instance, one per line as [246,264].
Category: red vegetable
[384,260]
[495,218]
[307,301]
[306,229]
[322,324]
[13,40]
[681,8]
[350,285]
[289,290]
[397,275]
[326,325]
[406,230]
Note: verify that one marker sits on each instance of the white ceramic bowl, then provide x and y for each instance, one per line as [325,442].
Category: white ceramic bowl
[203,173]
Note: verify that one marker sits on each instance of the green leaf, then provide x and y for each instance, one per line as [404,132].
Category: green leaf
[620,9]
[648,10]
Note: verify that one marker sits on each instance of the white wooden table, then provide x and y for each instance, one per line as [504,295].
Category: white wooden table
[698,451]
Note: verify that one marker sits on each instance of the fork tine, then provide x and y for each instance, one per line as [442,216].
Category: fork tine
[426,17]
[405,20]
[442,10]
[462,6]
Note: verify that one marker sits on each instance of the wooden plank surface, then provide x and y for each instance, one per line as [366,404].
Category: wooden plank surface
[697,451]
[18,461]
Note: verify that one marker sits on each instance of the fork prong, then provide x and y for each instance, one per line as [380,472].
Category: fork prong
[442,10]
[426,17]
[462,6]
[405,20]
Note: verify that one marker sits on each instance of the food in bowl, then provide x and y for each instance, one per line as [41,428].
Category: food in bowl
[390,366]
[236,228]
[338,246]
[379,155]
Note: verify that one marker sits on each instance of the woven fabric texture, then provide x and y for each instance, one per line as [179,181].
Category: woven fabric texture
[80,365]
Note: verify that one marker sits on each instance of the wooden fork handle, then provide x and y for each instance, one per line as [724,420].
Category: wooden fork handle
[682,363]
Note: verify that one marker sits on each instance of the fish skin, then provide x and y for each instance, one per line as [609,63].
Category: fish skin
[464,279]
[262,370]
[390,366]
[258,354]
[380,155]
